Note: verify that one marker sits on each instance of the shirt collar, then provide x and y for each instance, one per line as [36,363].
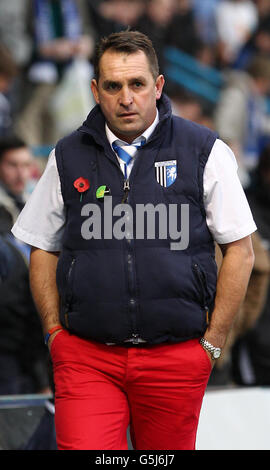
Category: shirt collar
[146,134]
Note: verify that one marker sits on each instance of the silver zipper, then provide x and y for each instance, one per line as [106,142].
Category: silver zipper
[126,191]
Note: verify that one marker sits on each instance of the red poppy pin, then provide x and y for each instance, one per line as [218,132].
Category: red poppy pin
[81,184]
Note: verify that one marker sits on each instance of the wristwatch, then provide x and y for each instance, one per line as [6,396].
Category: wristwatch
[215,352]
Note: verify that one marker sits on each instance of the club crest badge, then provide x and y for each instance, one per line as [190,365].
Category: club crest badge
[166,172]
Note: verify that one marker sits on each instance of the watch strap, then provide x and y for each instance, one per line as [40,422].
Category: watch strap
[209,347]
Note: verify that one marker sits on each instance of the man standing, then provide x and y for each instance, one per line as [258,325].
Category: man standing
[134,323]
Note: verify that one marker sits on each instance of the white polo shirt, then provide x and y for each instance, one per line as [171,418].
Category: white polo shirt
[41,223]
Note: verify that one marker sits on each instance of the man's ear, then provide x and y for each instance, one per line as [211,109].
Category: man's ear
[159,86]
[94,88]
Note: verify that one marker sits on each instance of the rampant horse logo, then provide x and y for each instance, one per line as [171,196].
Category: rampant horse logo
[166,172]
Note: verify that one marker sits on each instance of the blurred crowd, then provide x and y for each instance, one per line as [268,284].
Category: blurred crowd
[46,52]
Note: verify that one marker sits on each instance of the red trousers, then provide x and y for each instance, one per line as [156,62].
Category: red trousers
[100,390]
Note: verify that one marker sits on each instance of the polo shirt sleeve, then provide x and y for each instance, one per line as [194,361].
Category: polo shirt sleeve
[228,214]
[42,220]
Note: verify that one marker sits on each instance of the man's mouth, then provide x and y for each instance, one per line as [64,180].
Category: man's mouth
[127,114]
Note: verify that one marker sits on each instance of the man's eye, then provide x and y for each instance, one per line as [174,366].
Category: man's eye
[137,84]
[112,86]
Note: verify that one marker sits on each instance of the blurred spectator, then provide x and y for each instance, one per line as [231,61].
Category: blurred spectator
[155,23]
[14,30]
[115,15]
[188,106]
[16,163]
[8,71]
[16,35]
[6,259]
[62,32]
[106,16]
[263,8]
[185,105]
[253,350]
[23,355]
[258,195]
[258,44]
[240,116]
[205,19]
[182,32]
[236,20]
[231,368]
[15,170]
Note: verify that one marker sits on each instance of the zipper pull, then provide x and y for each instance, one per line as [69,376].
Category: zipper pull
[126,190]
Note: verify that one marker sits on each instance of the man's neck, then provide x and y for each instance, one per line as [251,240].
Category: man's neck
[111,136]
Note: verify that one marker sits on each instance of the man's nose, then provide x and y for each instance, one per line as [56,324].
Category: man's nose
[126,97]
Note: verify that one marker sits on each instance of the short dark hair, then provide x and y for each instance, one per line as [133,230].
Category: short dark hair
[128,42]
[10,142]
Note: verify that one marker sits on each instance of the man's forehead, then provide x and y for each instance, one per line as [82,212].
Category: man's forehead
[114,65]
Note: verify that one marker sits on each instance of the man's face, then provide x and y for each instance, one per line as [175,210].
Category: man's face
[15,169]
[127,93]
